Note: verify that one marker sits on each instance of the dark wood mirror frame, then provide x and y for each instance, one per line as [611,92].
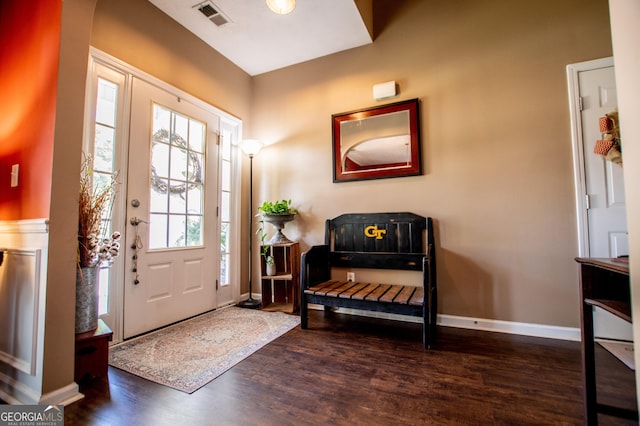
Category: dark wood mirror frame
[392,133]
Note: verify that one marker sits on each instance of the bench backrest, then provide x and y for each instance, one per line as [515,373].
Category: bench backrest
[379,240]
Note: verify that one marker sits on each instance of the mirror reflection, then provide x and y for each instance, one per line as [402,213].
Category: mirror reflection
[377,142]
[381,141]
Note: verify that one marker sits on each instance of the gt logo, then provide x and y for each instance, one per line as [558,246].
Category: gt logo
[372,231]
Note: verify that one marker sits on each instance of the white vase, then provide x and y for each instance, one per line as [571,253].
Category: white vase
[271,269]
[87,288]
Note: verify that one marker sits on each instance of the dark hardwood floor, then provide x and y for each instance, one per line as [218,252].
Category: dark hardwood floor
[350,370]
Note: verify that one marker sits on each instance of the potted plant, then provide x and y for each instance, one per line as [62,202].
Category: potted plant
[277,213]
[95,249]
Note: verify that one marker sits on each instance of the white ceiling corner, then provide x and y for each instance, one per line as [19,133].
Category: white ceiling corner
[258,40]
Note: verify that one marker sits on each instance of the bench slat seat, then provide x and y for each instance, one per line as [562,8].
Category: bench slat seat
[376,241]
[364,291]
[417,299]
[404,295]
[323,288]
[353,290]
[400,294]
[390,293]
[346,285]
[376,294]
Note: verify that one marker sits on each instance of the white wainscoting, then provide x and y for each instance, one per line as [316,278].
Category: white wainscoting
[19,306]
[22,306]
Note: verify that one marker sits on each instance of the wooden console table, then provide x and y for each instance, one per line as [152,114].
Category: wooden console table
[603,283]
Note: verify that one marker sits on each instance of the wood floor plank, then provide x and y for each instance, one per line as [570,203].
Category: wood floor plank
[351,370]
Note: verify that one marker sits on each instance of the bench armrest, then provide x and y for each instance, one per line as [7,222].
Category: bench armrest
[314,266]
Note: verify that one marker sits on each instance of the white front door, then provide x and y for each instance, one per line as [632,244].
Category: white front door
[172,241]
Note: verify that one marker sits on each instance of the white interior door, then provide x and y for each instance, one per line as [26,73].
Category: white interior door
[605,229]
[172,241]
[604,180]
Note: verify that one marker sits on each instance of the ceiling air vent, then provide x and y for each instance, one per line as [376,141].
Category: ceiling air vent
[212,13]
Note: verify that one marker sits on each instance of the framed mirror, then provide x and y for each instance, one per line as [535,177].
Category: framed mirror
[377,142]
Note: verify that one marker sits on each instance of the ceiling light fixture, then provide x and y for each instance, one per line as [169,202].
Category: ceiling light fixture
[281,7]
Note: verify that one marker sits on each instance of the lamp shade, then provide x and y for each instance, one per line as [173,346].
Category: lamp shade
[250,146]
[281,7]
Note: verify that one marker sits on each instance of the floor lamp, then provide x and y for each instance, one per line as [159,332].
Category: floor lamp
[251,148]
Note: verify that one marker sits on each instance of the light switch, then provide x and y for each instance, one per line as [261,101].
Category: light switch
[14,175]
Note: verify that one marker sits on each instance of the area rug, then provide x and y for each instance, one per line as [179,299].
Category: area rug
[190,354]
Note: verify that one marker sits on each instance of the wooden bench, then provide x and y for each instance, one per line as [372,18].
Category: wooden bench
[380,241]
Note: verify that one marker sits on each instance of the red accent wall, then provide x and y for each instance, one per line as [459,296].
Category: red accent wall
[29,51]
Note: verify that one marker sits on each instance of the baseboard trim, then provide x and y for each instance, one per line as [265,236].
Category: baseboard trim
[15,392]
[65,395]
[481,324]
[257,296]
[510,327]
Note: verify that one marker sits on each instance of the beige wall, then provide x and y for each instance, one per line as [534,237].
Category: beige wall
[138,33]
[496,144]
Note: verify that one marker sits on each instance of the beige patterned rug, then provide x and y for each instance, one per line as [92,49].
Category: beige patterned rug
[190,354]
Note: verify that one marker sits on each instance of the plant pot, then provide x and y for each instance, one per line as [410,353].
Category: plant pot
[271,269]
[87,292]
[278,221]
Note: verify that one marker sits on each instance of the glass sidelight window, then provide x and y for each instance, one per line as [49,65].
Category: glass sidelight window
[104,164]
[226,211]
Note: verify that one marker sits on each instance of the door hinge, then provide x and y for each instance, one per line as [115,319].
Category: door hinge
[580,104]
[587,201]
[218,137]
[216,285]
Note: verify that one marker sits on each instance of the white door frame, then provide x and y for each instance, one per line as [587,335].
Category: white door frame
[578,147]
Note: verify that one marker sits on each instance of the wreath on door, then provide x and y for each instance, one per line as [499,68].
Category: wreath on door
[191,180]
[609,146]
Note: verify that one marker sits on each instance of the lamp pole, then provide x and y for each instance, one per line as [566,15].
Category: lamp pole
[250,147]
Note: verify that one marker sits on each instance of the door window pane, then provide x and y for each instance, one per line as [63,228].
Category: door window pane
[177,181]
[158,230]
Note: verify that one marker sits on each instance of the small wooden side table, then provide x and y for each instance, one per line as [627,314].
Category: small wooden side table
[280,292]
[92,352]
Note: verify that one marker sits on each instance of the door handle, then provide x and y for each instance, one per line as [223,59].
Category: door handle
[135,221]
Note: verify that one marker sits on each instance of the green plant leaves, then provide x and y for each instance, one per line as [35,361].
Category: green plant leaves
[277,207]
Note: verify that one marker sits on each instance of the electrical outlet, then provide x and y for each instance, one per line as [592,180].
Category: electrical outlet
[351,276]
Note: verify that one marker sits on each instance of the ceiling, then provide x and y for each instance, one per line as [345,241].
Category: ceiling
[258,40]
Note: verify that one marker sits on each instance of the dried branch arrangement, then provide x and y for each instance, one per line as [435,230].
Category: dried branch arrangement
[96,202]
